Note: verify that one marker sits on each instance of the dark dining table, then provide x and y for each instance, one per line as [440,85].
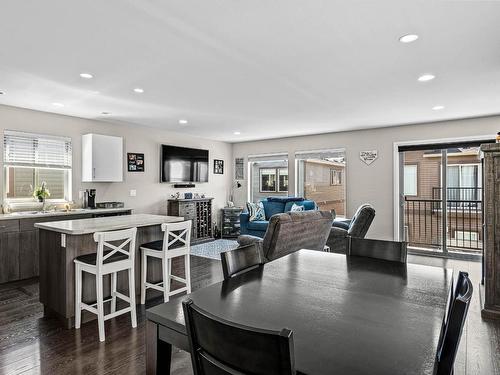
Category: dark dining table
[348,314]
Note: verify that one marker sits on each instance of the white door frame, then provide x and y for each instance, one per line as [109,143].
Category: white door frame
[395,167]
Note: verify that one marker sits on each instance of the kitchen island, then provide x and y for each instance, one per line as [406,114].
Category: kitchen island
[62,241]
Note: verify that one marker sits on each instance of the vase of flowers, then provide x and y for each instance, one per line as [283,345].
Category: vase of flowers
[41,192]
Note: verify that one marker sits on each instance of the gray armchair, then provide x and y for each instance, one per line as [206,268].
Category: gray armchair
[292,231]
[357,227]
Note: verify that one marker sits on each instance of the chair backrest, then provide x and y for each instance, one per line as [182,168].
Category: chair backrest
[120,242]
[222,347]
[361,221]
[292,231]
[241,259]
[453,324]
[386,250]
[177,235]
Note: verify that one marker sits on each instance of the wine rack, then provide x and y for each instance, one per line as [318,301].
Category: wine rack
[199,211]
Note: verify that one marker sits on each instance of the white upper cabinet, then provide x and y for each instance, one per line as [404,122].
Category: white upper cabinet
[102,158]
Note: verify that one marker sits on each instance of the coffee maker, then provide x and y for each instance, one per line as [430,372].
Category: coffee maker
[91,198]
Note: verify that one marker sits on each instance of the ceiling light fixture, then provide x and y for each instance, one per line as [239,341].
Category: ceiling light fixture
[183,122]
[2,92]
[237,133]
[86,75]
[426,77]
[438,107]
[139,90]
[105,113]
[56,104]
[408,38]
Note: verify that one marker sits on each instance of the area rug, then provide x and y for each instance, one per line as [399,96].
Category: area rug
[213,249]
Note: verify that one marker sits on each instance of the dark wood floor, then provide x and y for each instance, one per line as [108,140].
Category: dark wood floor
[30,344]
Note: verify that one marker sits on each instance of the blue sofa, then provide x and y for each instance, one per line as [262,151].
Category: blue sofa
[272,206]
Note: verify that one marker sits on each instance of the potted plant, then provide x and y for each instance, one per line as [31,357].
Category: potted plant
[41,192]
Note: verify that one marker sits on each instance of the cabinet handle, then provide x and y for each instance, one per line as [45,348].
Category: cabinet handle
[93,172]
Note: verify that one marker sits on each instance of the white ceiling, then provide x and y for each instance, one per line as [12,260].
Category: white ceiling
[264,68]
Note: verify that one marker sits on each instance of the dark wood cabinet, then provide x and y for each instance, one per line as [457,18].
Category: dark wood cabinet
[230,222]
[199,211]
[28,254]
[19,244]
[9,256]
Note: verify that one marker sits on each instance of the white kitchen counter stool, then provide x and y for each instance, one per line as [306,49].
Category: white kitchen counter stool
[176,243]
[118,258]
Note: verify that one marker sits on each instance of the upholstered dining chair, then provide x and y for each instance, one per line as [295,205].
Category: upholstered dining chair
[453,324]
[221,347]
[241,259]
[379,249]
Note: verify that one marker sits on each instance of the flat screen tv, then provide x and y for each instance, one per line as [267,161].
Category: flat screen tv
[181,164]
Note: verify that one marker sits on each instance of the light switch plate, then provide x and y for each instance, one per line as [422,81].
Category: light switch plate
[133,193]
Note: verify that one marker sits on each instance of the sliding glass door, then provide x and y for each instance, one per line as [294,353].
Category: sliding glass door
[441,198]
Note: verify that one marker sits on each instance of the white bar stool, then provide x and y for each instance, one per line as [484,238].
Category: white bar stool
[102,263]
[176,242]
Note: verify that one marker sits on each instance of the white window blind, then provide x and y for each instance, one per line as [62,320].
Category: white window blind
[36,150]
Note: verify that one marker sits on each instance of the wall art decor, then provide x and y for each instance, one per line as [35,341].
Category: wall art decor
[218,166]
[368,157]
[135,162]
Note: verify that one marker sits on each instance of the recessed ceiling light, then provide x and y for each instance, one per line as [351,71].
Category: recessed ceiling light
[408,38]
[426,77]
[2,92]
[183,122]
[438,107]
[139,90]
[105,113]
[86,75]
[58,104]
[237,133]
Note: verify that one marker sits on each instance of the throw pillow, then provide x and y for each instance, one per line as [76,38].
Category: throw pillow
[256,211]
[296,208]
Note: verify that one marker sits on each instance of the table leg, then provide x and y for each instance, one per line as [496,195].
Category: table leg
[158,352]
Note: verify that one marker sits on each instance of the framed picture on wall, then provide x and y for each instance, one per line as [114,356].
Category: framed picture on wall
[135,162]
[218,166]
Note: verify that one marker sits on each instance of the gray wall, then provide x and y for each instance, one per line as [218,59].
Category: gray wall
[373,183]
[151,195]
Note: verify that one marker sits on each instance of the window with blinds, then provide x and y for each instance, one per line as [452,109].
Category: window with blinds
[30,159]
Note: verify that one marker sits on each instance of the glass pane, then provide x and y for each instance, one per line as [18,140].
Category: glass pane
[283,180]
[20,181]
[410,180]
[268,178]
[423,223]
[464,217]
[320,177]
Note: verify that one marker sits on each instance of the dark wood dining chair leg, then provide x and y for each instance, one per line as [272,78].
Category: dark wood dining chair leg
[158,353]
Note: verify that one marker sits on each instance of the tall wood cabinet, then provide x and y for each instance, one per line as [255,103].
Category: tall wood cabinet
[490,296]
[199,211]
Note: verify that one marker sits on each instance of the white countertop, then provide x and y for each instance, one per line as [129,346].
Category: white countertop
[103,224]
[21,215]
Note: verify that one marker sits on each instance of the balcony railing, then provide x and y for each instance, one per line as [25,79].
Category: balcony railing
[424,220]
[465,195]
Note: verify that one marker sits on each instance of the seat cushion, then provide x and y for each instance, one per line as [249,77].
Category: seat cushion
[92,258]
[273,207]
[258,225]
[158,245]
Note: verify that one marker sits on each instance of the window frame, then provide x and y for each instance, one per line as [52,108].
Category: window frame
[68,172]
[335,175]
[275,180]
[278,174]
